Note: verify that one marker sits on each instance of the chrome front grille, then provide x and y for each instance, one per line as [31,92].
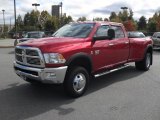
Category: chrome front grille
[29,56]
[33,61]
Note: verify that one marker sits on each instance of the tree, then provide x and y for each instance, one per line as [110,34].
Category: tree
[27,19]
[82,19]
[44,17]
[130,25]
[34,17]
[31,21]
[66,19]
[19,21]
[106,19]
[113,16]
[130,17]
[98,19]
[51,24]
[20,24]
[154,23]
[123,15]
[142,23]
[152,26]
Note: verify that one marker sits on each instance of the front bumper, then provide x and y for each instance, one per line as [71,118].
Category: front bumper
[44,75]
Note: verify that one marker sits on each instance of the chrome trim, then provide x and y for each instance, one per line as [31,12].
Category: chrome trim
[59,72]
[113,70]
[111,44]
[24,56]
[79,82]
[126,42]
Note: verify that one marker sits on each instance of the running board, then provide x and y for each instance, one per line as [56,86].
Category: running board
[113,70]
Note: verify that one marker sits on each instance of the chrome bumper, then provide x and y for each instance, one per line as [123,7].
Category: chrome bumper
[45,75]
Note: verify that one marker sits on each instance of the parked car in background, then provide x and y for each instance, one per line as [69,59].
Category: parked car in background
[30,36]
[156,40]
[135,34]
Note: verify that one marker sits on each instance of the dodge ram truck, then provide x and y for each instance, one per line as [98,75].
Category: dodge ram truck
[78,52]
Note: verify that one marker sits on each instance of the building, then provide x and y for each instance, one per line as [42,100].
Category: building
[55,10]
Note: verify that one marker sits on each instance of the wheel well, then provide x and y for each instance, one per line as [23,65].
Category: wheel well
[81,61]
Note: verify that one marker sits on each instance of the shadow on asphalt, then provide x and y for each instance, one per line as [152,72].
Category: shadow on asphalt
[22,101]
[11,52]
[156,52]
[118,76]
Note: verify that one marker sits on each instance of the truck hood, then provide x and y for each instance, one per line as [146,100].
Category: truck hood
[56,44]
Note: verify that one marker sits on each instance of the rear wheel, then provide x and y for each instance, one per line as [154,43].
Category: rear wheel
[76,81]
[145,63]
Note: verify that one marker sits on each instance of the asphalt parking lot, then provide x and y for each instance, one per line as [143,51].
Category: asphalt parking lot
[127,94]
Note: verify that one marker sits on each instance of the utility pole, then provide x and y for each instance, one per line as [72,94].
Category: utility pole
[36,4]
[3,21]
[15,18]
[10,23]
[60,5]
[125,9]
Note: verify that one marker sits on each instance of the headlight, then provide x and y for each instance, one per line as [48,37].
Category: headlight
[55,58]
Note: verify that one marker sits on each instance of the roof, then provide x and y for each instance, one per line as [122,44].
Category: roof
[100,22]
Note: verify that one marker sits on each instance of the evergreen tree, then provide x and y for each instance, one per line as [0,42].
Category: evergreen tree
[142,23]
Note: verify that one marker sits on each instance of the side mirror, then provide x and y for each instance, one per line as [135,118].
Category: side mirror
[100,38]
[111,34]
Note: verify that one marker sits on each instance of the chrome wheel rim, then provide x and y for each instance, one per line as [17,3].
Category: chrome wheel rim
[148,60]
[79,82]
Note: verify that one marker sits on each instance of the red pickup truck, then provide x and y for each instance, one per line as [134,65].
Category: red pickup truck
[78,51]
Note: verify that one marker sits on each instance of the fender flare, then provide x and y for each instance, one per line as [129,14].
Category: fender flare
[80,55]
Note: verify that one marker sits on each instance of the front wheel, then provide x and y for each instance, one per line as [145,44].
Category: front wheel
[76,81]
[145,63]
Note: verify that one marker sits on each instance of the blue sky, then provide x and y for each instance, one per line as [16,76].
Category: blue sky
[78,8]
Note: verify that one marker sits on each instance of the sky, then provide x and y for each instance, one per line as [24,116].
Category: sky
[77,8]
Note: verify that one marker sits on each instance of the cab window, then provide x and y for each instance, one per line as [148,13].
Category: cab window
[119,33]
[102,31]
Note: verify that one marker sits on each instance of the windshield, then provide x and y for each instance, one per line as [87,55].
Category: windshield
[77,30]
[33,35]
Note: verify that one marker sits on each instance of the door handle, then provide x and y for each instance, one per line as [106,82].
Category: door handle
[111,44]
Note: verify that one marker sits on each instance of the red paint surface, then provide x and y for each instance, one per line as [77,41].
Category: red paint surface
[109,56]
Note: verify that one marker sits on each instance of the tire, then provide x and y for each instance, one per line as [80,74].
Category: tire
[145,63]
[76,81]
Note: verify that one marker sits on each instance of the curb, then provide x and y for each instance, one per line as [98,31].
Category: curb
[6,46]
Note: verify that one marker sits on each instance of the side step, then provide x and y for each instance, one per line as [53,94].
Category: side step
[110,71]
